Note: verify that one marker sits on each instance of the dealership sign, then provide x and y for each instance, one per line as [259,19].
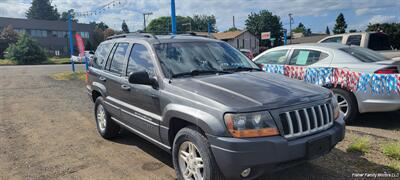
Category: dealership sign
[265,35]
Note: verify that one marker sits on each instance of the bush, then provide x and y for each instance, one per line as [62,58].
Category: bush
[360,144]
[26,51]
[392,150]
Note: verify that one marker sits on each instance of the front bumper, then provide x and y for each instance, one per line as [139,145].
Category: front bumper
[268,154]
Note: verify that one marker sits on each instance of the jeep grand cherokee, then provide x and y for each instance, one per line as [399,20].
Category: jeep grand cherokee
[214,110]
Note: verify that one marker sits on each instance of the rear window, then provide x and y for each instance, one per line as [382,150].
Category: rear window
[379,41]
[101,55]
[363,54]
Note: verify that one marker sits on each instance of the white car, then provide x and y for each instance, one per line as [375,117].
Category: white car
[340,56]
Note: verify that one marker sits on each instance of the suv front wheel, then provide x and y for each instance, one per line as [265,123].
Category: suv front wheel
[106,127]
[192,156]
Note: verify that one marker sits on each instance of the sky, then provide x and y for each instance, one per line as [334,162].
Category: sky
[314,14]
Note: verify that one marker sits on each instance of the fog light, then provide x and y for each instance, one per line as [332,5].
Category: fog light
[246,172]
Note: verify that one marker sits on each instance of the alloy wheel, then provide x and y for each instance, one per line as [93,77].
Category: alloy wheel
[343,104]
[190,161]
[101,117]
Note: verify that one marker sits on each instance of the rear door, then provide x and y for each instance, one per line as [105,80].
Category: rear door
[112,77]
[310,57]
[142,110]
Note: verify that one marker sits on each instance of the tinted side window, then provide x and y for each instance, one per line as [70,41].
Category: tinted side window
[140,60]
[117,61]
[354,40]
[379,41]
[101,55]
[274,57]
[333,40]
[302,57]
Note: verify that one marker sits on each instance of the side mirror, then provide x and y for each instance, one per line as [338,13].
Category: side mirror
[142,77]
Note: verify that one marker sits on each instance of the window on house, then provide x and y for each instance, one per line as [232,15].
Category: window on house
[38,33]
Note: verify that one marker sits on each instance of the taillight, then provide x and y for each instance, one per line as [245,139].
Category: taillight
[388,70]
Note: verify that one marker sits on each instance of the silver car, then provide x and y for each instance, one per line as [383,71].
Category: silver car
[340,56]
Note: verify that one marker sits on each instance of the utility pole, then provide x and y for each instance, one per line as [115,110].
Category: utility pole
[144,19]
[290,26]
[233,21]
[173,17]
[71,42]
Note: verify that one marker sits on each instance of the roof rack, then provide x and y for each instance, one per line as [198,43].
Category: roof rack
[146,35]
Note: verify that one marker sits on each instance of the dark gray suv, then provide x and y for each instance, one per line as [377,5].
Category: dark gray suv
[214,110]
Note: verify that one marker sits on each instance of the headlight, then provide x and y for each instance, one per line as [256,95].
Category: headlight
[336,109]
[255,124]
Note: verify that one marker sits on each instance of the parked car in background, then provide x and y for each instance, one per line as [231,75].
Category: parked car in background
[247,53]
[376,41]
[208,105]
[336,55]
[88,54]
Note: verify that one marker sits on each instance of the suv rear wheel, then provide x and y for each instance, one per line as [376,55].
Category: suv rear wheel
[347,104]
[106,127]
[192,156]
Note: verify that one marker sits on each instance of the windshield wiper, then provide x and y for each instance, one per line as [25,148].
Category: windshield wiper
[240,68]
[199,72]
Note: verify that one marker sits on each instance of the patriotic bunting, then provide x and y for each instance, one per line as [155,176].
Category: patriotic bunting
[377,84]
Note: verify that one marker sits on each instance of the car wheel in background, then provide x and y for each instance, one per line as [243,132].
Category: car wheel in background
[106,127]
[192,157]
[347,104]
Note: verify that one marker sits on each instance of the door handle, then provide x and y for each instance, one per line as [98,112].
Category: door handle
[125,87]
[154,96]
[101,78]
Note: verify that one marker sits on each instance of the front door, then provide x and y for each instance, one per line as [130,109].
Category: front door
[142,110]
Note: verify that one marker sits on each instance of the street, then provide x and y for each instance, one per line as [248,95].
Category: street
[47,131]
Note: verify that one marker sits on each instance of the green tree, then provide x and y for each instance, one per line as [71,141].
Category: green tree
[340,26]
[42,9]
[327,31]
[302,29]
[391,29]
[7,36]
[125,28]
[265,21]
[109,32]
[200,23]
[162,25]
[97,37]
[26,51]
[233,29]
[64,16]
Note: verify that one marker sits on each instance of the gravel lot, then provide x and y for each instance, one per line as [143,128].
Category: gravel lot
[47,131]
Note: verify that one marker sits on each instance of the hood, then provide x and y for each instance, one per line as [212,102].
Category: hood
[253,89]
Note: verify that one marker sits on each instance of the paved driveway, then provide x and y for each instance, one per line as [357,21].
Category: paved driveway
[47,131]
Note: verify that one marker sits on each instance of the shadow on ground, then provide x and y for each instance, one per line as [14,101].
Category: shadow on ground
[335,165]
[383,120]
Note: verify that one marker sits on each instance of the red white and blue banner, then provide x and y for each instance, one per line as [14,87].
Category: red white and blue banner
[378,84]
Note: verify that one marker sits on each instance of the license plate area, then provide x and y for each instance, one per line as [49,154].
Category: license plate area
[318,147]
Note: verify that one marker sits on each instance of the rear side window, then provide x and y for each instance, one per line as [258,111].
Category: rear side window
[354,40]
[101,55]
[140,60]
[304,57]
[337,39]
[117,60]
[273,57]
[363,54]
[379,41]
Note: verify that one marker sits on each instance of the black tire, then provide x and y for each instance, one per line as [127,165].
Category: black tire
[210,169]
[110,129]
[352,103]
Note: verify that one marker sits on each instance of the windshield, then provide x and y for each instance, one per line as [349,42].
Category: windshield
[187,57]
[364,54]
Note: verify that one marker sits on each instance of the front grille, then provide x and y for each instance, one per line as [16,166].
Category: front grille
[305,121]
